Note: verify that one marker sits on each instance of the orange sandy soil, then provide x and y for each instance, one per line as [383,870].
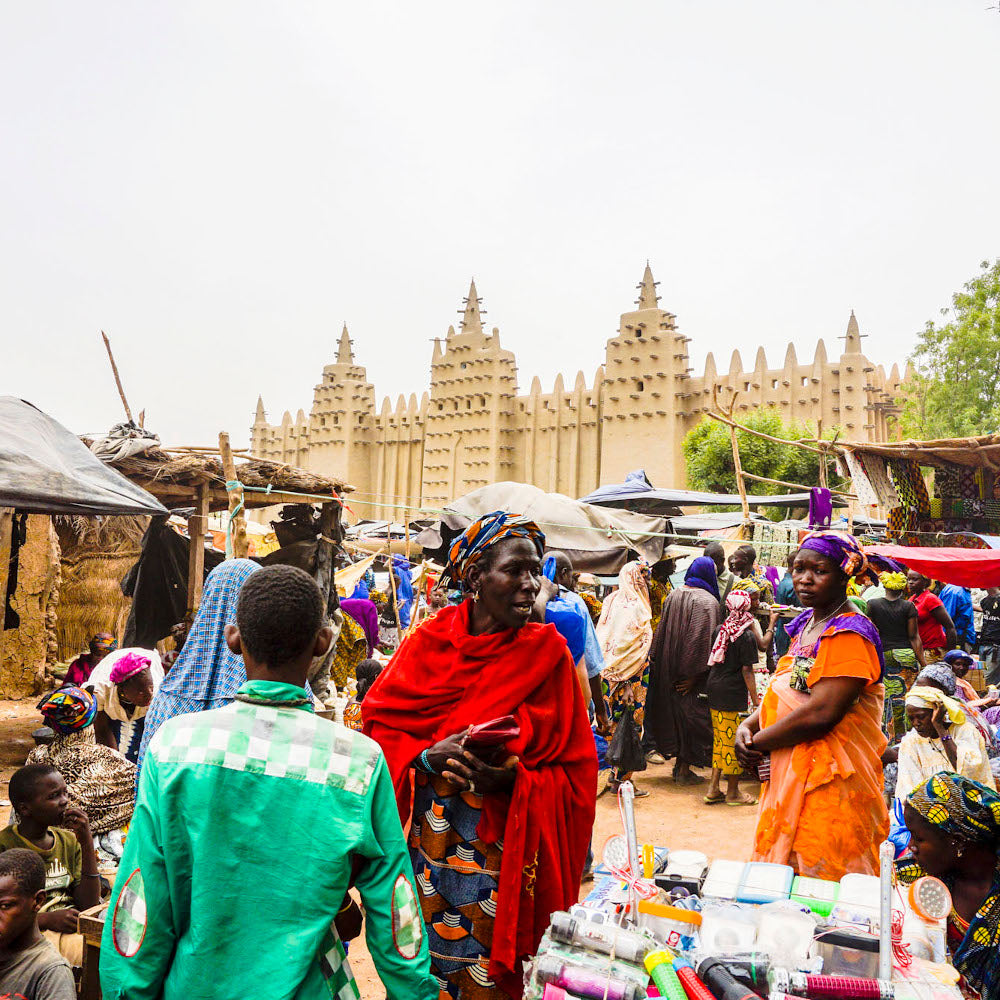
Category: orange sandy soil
[671,815]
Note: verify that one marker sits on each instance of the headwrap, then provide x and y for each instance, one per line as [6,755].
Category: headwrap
[893,581]
[624,629]
[701,574]
[940,674]
[928,697]
[129,665]
[68,709]
[962,808]
[958,656]
[748,586]
[467,550]
[105,642]
[365,614]
[845,551]
[735,624]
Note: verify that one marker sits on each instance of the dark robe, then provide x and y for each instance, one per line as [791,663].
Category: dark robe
[680,725]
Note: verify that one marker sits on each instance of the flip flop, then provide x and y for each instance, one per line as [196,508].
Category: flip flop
[742,802]
[640,793]
[714,800]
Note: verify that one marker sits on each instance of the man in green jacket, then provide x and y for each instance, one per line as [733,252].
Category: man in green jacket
[251,823]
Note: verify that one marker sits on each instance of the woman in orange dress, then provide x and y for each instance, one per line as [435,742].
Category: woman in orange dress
[819,726]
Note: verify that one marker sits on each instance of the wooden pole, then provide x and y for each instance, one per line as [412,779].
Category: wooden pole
[239,524]
[727,419]
[197,524]
[6,533]
[793,486]
[737,464]
[822,455]
[118,381]
[395,599]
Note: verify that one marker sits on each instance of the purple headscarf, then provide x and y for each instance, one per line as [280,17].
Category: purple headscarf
[365,614]
[845,551]
[701,573]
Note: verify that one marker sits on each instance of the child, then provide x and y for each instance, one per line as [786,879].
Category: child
[251,822]
[60,834]
[367,672]
[29,966]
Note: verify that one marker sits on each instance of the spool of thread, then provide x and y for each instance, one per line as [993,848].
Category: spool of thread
[722,983]
[694,988]
[659,965]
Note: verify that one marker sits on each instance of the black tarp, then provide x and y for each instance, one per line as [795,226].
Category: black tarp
[46,469]
[157,584]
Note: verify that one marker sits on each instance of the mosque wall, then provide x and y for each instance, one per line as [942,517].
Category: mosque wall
[472,427]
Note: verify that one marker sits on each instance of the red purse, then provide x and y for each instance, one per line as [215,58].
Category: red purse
[488,738]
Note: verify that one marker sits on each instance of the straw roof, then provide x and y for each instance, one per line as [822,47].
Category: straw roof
[174,478]
[975,452]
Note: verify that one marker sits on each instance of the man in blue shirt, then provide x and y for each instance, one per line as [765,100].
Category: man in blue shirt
[957,602]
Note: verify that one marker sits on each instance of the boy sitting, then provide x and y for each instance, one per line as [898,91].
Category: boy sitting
[251,823]
[60,835]
[29,966]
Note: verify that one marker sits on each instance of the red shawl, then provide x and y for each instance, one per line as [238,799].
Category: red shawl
[443,679]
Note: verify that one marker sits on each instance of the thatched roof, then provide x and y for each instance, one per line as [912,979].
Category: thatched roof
[175,478]
[975,452]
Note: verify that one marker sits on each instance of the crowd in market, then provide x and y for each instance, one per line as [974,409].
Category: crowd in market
[448,817]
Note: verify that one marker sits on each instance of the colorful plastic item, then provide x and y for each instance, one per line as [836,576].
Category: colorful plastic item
[764,882]
[659,965]
[816,893]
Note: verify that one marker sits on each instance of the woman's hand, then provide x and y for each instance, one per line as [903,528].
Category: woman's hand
[745,752]
[450,746]
[940,719]
[468,772]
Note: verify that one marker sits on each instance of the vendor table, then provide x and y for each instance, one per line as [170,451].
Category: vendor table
[92,927]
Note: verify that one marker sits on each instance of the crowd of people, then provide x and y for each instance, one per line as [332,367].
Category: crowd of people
[453,811]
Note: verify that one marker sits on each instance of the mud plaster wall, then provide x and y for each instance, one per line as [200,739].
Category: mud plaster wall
[27,649]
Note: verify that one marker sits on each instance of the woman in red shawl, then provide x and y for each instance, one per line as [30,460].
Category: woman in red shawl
[498,843]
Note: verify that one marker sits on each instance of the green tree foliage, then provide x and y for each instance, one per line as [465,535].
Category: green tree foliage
[955,391]
[708,454]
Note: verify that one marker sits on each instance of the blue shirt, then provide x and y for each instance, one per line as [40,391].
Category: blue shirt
[958,603]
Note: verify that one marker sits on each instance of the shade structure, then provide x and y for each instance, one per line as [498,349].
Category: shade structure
[46,469]
[962,567]
[597,540]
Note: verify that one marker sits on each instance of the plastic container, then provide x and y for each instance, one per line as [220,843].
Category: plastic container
[858,902]
[847,952]
[671,925]
[763,882]
[600,937]
[785,934]
[816,893]
[727,929]
[723,879]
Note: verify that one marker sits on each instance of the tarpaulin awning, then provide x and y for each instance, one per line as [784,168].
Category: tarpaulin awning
[597,540]
[46,469]
[962,567]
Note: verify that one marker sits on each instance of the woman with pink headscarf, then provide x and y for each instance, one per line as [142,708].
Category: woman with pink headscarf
[625,633]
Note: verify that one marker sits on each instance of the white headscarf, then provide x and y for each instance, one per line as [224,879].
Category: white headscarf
[624,630]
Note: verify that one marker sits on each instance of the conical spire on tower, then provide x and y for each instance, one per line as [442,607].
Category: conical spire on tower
[472,315]
[648,299]
[345,352]
[260,417]
[852,339]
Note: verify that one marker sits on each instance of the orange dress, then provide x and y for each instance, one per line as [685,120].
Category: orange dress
[822,811]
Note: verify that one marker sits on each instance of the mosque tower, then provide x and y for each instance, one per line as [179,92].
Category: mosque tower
[468,437]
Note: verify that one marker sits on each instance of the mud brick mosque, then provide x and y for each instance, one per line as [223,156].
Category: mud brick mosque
[473,426]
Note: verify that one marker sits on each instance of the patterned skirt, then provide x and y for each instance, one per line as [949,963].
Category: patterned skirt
[457,877]
[724,726]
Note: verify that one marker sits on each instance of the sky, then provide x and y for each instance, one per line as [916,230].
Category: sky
[221,185]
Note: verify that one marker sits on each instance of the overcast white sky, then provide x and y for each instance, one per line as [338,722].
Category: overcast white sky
[219,185]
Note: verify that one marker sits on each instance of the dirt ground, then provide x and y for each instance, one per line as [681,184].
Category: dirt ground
[670,815]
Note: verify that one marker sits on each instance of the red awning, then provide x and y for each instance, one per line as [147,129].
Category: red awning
[964,567]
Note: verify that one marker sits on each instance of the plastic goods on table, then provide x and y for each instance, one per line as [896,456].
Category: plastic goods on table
[858,901]
[785,933]
[585,982]
[602,965]
[816,893]
[723,879]
[829,987]
[719,978]
[660,966]
[728,928]
[847,952]
[672,925]
[764,882]
[600,937]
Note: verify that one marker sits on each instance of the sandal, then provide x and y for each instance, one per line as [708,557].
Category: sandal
[714,800]
[741,802]
[640,793]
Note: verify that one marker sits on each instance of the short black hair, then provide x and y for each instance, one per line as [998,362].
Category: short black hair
[750,551]
[366,674]
[279,612]
[24,781]
[25,867]
[714,547]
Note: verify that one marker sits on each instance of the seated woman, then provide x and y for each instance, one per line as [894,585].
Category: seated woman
[83,666]
[955,827]
[820,725]
[942,738]
[123,685]
[368,671]
[100,780]
[498,839]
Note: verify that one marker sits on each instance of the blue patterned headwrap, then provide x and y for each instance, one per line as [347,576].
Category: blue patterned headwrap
[485,533]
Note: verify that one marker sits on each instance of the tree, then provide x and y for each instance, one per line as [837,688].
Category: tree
[955,389]
[708,453]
